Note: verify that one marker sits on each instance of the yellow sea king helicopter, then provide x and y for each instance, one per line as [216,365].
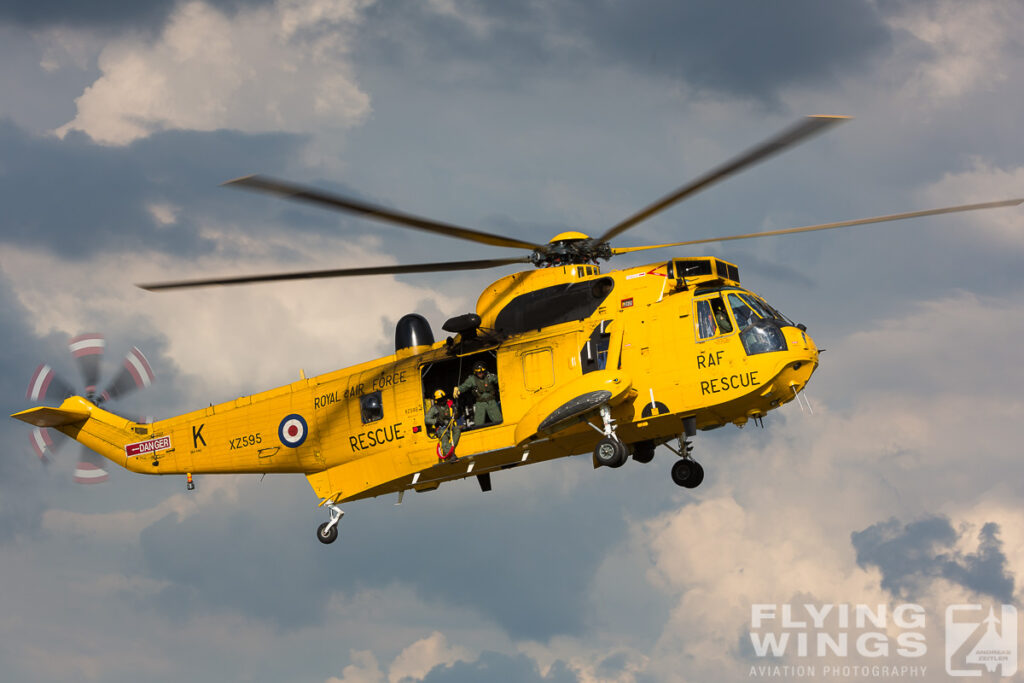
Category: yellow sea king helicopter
[569,360]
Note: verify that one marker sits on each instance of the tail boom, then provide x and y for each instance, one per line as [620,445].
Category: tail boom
[179,445]
[105,433]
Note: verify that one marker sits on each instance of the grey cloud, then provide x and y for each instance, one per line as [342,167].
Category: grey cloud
[25,487]
[22,482]
[146,14]
[723,47]
[911,555]
[521,562]
[726,46]
[224,560]
[715,46]
[77,198]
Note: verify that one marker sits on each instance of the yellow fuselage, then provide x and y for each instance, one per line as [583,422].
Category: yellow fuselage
[642,343]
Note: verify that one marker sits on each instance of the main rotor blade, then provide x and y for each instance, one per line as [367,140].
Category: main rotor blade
[798,132]
[307,194]
[340,272]
[830,226]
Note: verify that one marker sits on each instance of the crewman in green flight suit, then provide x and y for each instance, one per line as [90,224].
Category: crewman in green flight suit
[485,391]
[441,417]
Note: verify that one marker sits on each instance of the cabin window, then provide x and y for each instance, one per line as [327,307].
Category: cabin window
[371,408]
[712,318]
[594,354]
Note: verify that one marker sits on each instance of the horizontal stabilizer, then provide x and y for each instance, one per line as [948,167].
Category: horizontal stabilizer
[51,417]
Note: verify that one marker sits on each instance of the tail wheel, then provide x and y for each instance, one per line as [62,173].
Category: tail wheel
[610,452]
[687,473]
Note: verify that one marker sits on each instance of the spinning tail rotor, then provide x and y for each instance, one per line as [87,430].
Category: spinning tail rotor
[47,386]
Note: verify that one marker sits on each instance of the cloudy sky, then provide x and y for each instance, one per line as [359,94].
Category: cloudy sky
[117,123]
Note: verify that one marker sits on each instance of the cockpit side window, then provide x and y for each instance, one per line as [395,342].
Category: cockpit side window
[712,318]
[759,306]
[721,317]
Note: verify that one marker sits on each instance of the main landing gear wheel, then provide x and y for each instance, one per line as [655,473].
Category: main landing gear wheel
[610,452]
[687,473]
[326,533]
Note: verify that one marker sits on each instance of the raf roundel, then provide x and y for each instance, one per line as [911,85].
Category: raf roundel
[292,431]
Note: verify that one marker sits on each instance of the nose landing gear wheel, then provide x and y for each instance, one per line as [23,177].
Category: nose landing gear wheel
[687,473]
[325,534]
[610,452]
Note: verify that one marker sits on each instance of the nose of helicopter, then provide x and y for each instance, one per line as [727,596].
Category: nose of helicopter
[804,361]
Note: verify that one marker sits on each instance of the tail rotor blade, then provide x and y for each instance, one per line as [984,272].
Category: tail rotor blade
[136,373]
[88,352]
[43,443]
[89,469]
[46,385]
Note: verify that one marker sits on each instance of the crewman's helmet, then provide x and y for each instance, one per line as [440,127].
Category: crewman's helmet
[479,367]
[439,394]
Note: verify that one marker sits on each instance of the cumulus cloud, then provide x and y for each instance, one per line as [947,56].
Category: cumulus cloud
[233,340]
[982,182]
[964,44]
[363,669]
[283,67]
[413,666]
[417,660]
[127,525]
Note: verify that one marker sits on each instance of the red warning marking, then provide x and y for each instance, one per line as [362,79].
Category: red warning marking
[152,446]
